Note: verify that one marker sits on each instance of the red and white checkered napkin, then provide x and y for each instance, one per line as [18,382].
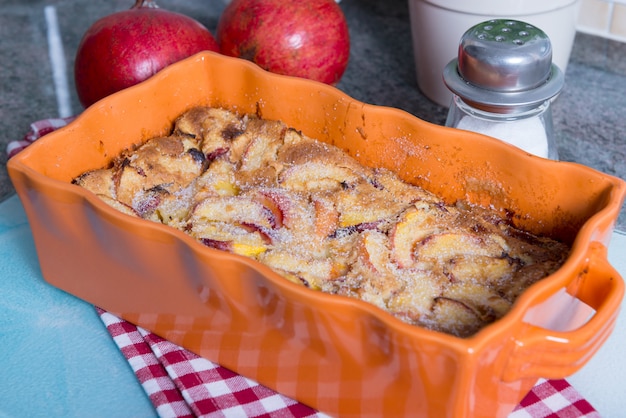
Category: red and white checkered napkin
[181,384]
[37,130]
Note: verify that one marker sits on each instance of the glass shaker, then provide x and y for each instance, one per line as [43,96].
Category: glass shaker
[503,82]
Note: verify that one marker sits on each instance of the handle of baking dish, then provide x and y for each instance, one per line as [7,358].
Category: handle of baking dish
[543,353]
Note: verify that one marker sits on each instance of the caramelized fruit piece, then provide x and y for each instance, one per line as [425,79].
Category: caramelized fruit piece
[363,203]
[235,209]
[326,217]
[455,317]
[483,268]
[449,245]
[263,146]
[374,252]
[414,225]
[227,237]
[315,272]
[118,205]
[482,299]
[316,176]
[415,300]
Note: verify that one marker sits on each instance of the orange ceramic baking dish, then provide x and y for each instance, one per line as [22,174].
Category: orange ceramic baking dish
[342,356]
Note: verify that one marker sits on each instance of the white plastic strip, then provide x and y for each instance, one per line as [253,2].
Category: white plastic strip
[57,61]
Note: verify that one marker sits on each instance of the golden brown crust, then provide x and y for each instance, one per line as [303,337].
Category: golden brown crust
[311,212]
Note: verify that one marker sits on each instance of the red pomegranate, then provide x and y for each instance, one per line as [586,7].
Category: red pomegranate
[127,47]
[307,39]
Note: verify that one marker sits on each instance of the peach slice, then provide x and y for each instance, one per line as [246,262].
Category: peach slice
[372,276]
[274,201]
[455,317]
[118,205]
[415,301]
[374,252]
[326,217]
[484,301]
[239,248]
[218,179]
[396,189]
[256,130]
[261,150]
[234,209]
[294,278]
[247,249]
[450,245]
[415,224]
[314,272]
[316,176]
[228,237]
[486,269]
[291,210]
[363,203]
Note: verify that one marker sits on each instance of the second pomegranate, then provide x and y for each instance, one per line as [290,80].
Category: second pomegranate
[308,39]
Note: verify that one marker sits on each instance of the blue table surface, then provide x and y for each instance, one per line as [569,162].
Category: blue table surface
[56,356]
[58,360]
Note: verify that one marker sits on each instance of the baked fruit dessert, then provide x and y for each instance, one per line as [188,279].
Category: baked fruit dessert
[261,189]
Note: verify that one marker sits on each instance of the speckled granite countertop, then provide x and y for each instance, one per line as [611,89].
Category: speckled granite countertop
[589,120]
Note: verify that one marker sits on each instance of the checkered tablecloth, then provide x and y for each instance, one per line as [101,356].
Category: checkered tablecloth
[37,130]
[181,384]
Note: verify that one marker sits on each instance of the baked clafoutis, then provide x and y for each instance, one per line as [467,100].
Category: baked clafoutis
[308,210]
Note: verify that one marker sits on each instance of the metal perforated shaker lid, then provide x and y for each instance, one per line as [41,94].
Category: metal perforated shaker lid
[504,66]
